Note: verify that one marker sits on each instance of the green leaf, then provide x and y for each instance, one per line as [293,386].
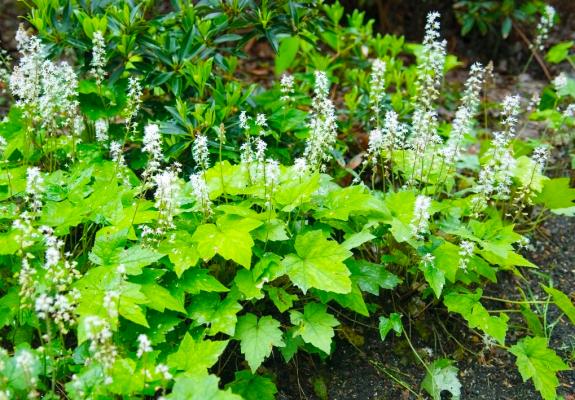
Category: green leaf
[318,264]
[296,191]
[371,277]
[357,239]
[352,300]
[129,304]
[220,315]
[273,230]
[181,251]
[315,325]
[230,238]
[539,363]
[343,202]
[249,287]
[286,54]
[109,250]
[137,257]
[559,52]
[556,194]
[447,259]
[468,305]
[562,301]
[198,279]
[281,299]
[252,387]
[62,215]
[400,206]
[257,338]
[196,356]
[161,298]
[125,380]
[506,27]
[434,276]
[387,324]
[200,387]
[442,375]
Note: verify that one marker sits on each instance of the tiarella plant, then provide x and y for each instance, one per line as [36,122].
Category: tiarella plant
[158,212]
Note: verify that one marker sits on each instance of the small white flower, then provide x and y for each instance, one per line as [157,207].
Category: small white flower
[101,128]
[163,370]
[287,86]
[377,85]
[244,120]
[420,221]
[428,259]
[144,345]
[323,125]
[300,167]
[540,156]
[98,62]
[201,193]
[34,188]
[133,102]
[166,196]
[261,121]
[560,81]
[110,303]
[466,249]
[201,153]
[152,146]
[543,27]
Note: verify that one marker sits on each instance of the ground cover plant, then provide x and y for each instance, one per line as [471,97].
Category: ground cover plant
[162,209]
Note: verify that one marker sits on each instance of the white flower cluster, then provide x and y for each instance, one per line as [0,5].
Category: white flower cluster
[323,125]
[166,196]
[286,87]
[432,62]
[47,91]
[424,137]
[111,303]
[569,111]
[428,259]
[463,121]
[102,348]
[144,345]
[420,220]
[117,155]
[200,152]
[133,103]
[391,137]
[495,176]
[300,167]
[543,27]
[153,146]
[377,87]
[98,62]
[56,299]
[560,81]
[244,120]
[466,249]
[261,120]
[101,128]
[34,189]
[540,156]
[163,371]
[262,170]
[201,193]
